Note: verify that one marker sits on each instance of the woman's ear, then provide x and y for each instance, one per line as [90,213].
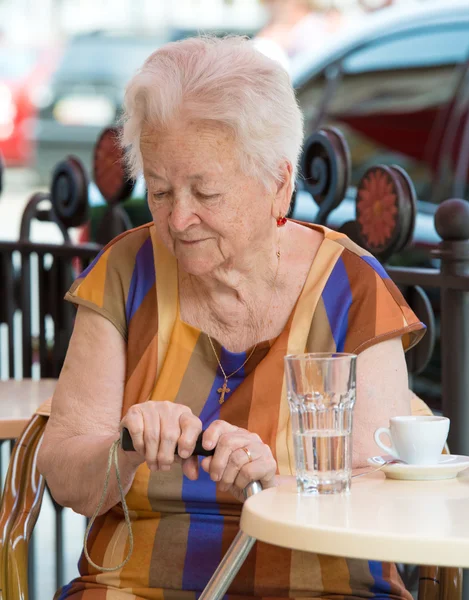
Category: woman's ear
[284,189]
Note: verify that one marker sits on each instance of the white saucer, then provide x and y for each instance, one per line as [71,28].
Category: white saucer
[447,467]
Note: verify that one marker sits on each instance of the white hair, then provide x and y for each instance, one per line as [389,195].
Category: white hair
[224,80]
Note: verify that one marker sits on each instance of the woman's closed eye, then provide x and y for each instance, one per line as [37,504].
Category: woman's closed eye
[205,196]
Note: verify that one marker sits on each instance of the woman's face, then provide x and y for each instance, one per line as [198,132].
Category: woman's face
[206,211]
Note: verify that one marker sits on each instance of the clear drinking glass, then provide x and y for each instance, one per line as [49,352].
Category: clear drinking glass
[321,395]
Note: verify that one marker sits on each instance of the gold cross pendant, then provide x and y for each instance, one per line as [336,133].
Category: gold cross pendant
[223,390]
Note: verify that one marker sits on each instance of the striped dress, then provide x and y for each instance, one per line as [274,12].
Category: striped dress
[182,528]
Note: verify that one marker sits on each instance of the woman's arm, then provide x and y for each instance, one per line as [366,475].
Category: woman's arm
[382,392]
[85,418]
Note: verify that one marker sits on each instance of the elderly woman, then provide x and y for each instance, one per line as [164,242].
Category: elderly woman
[183,323]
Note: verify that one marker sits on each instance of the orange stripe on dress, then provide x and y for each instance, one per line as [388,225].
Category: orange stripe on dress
[272,569]
[135,572]
[96,549]
[320,338]
[142,330]
[266,394]
[302,317]
[140,385]
[305,574]
[388,313]
[166,272]
[362,316]
[335,575]
[92,288]
[178,356]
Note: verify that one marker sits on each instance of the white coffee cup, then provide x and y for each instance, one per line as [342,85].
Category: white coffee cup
[415,440]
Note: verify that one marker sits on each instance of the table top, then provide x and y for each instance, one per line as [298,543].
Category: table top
[19,400]
[415,522]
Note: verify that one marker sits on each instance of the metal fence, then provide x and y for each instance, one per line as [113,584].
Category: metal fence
[36,325]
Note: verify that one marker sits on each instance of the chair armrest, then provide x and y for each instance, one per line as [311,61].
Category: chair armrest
[440,583]
[19,509]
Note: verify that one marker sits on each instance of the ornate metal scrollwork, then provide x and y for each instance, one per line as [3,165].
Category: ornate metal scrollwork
[326,167]
[109,167]
[69,192]
[419,356]
[385,211]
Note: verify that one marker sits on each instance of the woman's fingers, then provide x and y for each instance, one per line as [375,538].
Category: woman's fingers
[238,460]
[181,432]
[214,431]
[229,449]
[157,428]
[240,457]
[190,468]
[191,427]
[151,436]
[169,436]
[263,469]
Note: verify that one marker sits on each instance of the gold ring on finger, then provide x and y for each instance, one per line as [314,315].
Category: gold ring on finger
[248,453]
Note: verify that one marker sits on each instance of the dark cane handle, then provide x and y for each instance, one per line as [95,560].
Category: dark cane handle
[199,450]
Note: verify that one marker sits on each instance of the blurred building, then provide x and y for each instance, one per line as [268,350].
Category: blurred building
[27,19]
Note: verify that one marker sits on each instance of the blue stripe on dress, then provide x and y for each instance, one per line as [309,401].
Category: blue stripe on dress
[204,540]
[143,278]
[337,297]
[381,587]
[64,591]
[377,266]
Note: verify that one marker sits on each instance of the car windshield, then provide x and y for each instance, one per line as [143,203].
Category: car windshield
[15,63]
[104,58]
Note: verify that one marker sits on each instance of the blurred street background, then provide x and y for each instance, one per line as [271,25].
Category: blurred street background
[64,65]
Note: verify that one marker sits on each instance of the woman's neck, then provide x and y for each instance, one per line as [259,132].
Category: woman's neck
[232,293]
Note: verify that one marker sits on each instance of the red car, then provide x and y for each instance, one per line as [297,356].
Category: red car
[24,74]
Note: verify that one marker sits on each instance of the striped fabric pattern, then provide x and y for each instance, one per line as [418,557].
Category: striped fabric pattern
[182,528]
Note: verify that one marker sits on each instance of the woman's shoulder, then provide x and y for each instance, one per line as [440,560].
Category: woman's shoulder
[130,242]
[363,304]
[119,278]
[346,254]
[357,260]
[127,253]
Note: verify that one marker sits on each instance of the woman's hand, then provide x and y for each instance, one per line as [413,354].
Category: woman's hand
[231,466]
[157,427]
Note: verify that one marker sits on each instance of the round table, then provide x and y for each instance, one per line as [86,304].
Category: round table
[414,522]
[19,400]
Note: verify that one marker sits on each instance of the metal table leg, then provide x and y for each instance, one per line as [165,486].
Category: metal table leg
[233,559]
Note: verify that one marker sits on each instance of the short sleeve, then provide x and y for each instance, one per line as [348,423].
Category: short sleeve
[377,310]
[117,278]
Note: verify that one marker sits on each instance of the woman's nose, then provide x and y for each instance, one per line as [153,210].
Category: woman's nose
[182,216]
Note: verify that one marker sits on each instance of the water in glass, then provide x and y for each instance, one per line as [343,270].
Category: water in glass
[321,395]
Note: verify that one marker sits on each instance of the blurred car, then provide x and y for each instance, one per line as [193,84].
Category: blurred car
[24,72]
[180,33]
[398,89]
[86,94]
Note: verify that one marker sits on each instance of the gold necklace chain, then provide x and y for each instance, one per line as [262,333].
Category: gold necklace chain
[225,389]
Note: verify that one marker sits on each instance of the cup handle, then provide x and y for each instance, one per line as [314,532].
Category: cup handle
[388,449]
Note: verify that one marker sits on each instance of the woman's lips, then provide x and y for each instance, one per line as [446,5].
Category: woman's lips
[191,242]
